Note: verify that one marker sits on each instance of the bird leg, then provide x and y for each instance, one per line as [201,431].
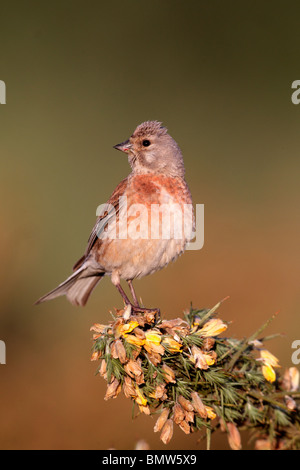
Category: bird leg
[136,303]
[123,294]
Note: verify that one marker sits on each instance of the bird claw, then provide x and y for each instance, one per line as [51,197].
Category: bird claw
[138,309]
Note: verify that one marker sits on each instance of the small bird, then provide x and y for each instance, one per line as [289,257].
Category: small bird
[156,181]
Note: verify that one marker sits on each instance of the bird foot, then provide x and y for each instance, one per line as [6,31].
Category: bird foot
[135,309]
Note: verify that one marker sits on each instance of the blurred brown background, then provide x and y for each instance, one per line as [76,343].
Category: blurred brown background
[80,76]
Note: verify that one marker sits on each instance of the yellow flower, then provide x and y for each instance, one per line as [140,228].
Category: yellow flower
[153,337]
[171,345]
[140,399]
[210,412]
[132,339]
[127,328]
[269,362]
[269,373]
[213,327]
[209,359]
[269,358]
[201,359]
[152,343]
[197,321]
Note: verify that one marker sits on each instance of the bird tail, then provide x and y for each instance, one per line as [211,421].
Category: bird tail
[78,287]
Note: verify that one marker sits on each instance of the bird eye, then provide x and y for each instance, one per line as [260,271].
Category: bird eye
[146,143]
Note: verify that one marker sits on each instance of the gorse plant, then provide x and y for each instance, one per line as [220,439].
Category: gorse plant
[183,370]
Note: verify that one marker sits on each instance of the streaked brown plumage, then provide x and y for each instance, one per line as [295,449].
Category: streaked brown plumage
[157,178]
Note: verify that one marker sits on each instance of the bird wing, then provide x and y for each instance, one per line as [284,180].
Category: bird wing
[110,210]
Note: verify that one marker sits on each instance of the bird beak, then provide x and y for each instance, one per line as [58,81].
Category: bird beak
[124,146]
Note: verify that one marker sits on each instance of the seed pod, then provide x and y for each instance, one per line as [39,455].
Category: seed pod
[178,415]
[202,360]
[208,343]
[128,388]
[139,379]
[133,368]
[127,313]
[186,404]
[139,333]
[212,327]
[169,374]
[149,317]
[189,416]
[153,348]
[159,392]
[102,370]
[184,426]
[263,444]
[290,403]
[144,409]
[113,389]
[113,351]
[95,355]
[98,328]
[291,379]
[234,437]
[171,345]
[167,431]
[161,420]
[154,358]
[198,405]
[120,351]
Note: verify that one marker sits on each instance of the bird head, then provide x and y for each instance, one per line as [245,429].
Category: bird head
[151,149]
